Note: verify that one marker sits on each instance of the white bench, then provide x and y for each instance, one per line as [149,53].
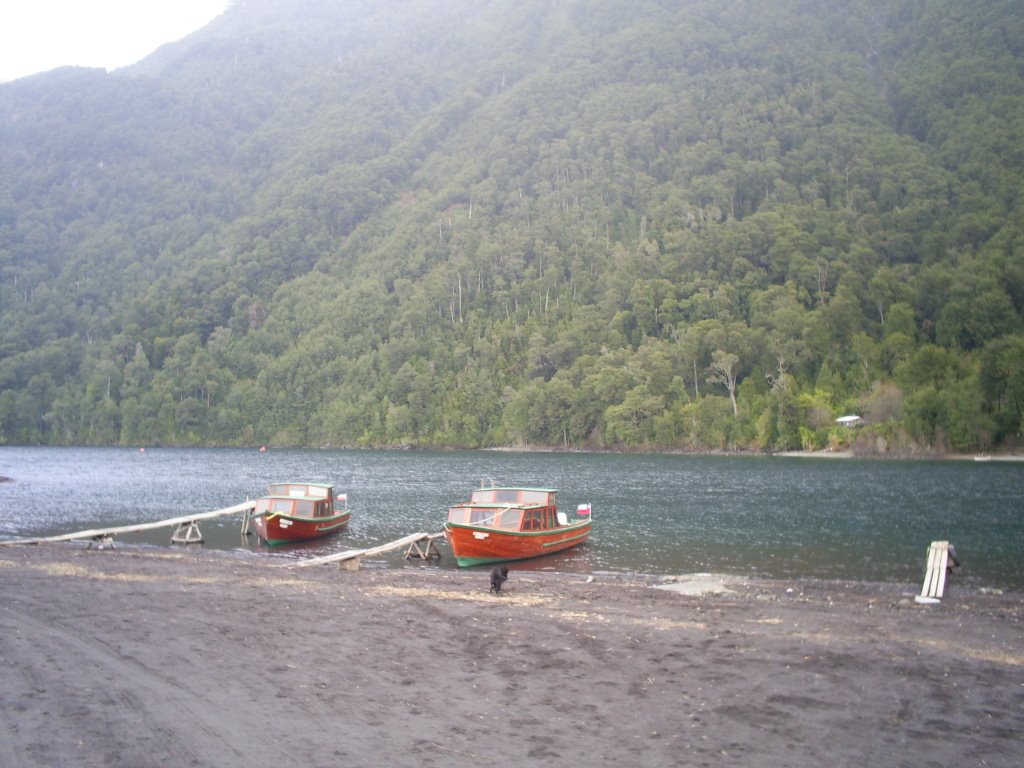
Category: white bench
[935,573]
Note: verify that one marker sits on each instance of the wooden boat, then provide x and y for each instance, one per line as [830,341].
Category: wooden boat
[298,512]
[500,524]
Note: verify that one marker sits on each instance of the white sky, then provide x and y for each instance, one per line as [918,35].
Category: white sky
[40,35]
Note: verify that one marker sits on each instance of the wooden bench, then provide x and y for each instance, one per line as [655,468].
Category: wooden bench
[934,574]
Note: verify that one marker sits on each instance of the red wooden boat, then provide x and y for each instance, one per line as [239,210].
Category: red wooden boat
[499,524]
[298,512]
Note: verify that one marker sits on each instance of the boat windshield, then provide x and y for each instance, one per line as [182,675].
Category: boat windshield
[304,508]
[507,519]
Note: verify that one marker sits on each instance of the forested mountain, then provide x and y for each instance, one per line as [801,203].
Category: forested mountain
[628,224]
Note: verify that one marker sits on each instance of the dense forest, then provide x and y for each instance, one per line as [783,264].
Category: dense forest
[589,224]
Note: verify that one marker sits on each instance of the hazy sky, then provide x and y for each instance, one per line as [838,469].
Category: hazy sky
[39,35]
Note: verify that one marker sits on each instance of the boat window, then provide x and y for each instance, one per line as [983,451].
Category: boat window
[532,520]
[495,496]
[458,515]
[501,496]
[483,516]
[281,506]
[299,489]
[304,507]
[509,520]
[534,497]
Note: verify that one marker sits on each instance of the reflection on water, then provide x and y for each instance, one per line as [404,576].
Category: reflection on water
[779,517]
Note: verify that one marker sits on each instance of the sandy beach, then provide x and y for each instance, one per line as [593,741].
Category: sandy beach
[141,658]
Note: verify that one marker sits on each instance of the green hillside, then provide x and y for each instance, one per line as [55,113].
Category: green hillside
[625,224]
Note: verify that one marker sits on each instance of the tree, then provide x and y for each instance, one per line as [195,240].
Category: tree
[724,370]
[632,420]
[1001,380]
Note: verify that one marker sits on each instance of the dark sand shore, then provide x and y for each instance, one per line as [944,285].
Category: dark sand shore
[170,658]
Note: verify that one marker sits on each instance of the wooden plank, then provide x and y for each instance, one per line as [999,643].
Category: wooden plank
[929,571]
[350,554]
[106,532]
[935,573]
[930,586]
[941,550]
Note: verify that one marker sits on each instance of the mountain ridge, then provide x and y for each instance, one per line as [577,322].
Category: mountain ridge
[602,225]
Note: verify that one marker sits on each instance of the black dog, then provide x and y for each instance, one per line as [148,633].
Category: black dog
[499,574]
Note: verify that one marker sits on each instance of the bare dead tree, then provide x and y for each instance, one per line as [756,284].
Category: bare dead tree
[723,370]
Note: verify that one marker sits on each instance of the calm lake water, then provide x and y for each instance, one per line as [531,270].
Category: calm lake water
[767,516]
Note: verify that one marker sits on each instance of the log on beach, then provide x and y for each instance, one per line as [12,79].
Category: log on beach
[138,657]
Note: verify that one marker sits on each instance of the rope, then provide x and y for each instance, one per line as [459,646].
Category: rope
[492,517]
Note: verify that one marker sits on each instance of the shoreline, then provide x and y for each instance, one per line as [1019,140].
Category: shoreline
[148,658]
[962,579]
[393,563]
[1011,456]
[827,454]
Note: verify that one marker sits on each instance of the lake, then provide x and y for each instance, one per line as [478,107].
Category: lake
[778,517]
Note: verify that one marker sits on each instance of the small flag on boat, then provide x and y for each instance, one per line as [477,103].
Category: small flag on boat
[341,497]
[583,509]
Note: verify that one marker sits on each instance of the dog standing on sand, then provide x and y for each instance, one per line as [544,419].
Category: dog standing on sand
[499,575]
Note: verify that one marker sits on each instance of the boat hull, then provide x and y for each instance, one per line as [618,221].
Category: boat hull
[286,529]
[476,545]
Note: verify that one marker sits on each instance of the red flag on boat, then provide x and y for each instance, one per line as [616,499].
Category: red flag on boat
[341,497]
[583,509]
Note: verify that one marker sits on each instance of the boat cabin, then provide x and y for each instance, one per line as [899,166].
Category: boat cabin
[509,509]
[297,500]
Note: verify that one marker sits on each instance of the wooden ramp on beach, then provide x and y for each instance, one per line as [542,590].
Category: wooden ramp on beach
[934,574]
[186,528]
[418,545]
